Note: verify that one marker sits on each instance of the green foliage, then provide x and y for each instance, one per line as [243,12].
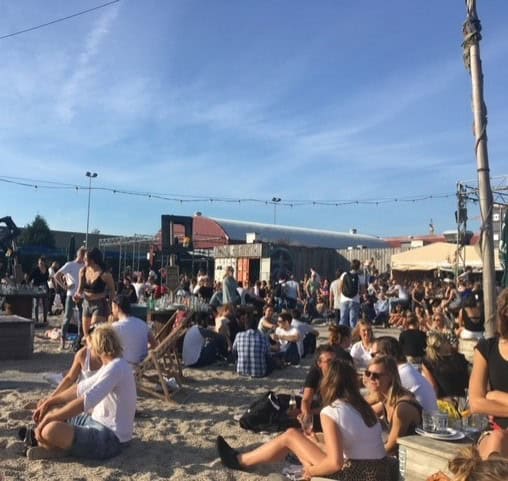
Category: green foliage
[38,233]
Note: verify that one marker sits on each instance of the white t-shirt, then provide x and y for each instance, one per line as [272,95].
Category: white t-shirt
[291,289]
[303,329]
[344,298]
[71,272]
[413,381]
[361,356]
[111,395]
[334,289]
[293,331]
[192,344]
[358,440]
[133,334]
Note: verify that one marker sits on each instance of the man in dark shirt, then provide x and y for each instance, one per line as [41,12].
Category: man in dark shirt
[310,407]
[39,278]
[413,341]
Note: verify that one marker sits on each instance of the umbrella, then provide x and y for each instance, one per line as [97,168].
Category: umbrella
[71,251]
[503,250]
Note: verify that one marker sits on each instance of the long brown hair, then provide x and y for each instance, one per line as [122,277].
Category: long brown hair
[396,389]
[341,382]
[502,313]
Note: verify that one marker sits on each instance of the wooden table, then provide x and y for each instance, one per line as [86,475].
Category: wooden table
[21,303]
[16,337]
[419,457]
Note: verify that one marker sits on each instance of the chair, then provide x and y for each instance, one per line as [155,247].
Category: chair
[165,361]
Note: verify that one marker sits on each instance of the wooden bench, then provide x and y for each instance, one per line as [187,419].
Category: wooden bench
[419,457]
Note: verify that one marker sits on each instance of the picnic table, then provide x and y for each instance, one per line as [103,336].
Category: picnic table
[19,300]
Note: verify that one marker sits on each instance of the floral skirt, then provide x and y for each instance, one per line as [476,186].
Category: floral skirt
[385,469]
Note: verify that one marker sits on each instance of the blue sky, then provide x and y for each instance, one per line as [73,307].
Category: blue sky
[295,99]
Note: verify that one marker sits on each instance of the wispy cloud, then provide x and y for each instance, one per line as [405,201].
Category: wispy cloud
[85,67]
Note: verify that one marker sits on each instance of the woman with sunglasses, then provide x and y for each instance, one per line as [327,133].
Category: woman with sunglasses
[352,446]
[401,411]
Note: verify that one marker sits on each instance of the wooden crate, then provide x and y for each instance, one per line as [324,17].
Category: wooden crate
[16,337]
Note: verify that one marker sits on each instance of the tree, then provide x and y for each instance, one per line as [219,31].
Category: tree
[38,233]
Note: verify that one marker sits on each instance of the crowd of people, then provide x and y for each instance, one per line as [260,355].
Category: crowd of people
[361,393]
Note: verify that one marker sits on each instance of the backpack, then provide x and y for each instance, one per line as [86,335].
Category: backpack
[268,413]
[350,284]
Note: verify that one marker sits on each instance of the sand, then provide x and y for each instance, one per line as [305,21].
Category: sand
[171,441]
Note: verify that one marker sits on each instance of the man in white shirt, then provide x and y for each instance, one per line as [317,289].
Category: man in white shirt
[67,277]
[287,339]
[134,334]
[335,295]
[290,290]
[308,335]
[109,395]
[410,377]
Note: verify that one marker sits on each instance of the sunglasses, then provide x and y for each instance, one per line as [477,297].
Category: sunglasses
[375,376]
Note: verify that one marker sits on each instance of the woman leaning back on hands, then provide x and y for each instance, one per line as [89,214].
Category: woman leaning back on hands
[352,445]
[400,408]
[488,384]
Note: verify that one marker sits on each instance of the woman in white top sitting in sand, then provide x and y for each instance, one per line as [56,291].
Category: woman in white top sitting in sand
[84,365]
[352,446]
[109,395]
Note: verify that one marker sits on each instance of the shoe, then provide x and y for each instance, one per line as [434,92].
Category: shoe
[227,454]
[27,435]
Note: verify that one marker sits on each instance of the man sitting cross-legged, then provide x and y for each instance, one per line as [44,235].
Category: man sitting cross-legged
[110,395]
[252,349]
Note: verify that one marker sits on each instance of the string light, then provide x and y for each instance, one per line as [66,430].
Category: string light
[183,199]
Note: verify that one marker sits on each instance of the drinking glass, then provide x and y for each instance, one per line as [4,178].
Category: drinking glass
[440,421]
[427,421]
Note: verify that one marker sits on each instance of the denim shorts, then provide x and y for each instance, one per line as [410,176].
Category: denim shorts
[98,307]
[93,440]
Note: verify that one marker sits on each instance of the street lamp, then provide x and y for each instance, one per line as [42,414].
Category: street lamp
[90,175]
[275,201]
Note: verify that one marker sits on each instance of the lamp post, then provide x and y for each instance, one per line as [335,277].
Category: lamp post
[275,201]
[90,175]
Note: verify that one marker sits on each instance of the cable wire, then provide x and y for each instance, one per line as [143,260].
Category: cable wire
[62,19]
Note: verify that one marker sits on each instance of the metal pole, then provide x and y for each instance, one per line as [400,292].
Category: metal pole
[472,37]
[88,211]
[275,201]
[90,175]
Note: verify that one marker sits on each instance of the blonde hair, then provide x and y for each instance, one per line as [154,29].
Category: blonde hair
[390,367]
[468,466]
[104,341]
[436,342]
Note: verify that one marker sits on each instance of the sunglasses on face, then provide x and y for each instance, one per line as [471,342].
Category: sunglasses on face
[375,376]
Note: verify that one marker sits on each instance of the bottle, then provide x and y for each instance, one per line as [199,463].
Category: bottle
[292,403]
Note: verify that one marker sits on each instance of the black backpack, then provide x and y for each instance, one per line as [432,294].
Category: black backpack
[350,284]
[268,413]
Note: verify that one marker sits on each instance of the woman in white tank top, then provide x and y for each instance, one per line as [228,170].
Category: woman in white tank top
[352,445]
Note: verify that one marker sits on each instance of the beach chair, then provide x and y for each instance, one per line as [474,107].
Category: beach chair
[160,365]
[165,330]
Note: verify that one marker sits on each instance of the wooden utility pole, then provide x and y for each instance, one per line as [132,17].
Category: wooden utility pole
[472,37]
